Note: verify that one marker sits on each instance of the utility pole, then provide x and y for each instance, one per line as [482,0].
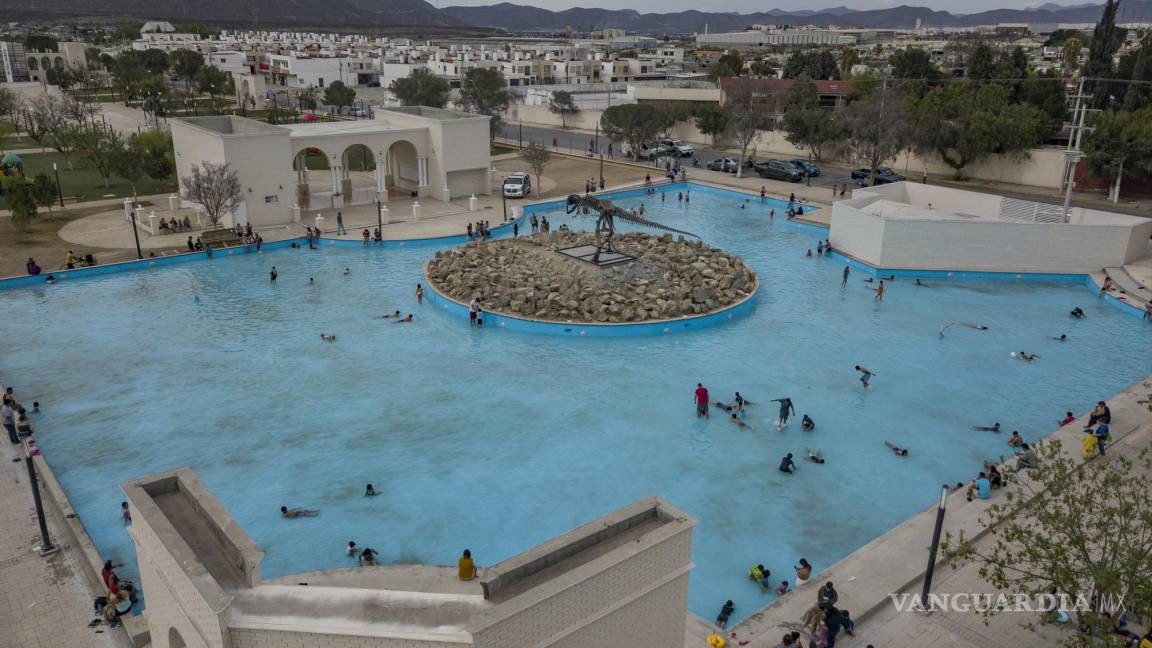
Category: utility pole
[1073,153]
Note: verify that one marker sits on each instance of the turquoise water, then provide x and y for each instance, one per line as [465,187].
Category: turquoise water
[496,440]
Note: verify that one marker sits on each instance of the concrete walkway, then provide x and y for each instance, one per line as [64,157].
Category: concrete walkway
[47,601]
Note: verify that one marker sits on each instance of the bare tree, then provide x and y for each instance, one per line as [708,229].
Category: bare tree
[536,157]
[214,186]
[876,127]
[748,116]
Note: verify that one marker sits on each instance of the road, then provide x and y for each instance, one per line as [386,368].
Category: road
[577,141]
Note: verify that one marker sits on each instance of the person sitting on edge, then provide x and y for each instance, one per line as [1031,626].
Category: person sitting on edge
[725,612]
[979,487]
[368,557]
[1069,417]
[827,595]
[995,428]
[370,491]
[807,424]
[814,457]
[32,267]
[1015,440]
[783,588]
[803,572]
[1100,414]
[298,512]
[760,574]
[896,450]
[465,568]
[787,465]
[994,476]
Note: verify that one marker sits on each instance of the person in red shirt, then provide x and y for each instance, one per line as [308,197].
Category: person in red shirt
[701,400]
[1068,418]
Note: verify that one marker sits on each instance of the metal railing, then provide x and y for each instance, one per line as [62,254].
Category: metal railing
[1028,211]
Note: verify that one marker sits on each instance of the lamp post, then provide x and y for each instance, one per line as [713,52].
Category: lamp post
[504,200]
[808,171]
[59,192]
[379,213]
[136,233]
[46,546]
[935,546]
[601,151]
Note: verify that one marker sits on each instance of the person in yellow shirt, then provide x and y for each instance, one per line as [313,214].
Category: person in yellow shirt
[466,568]
[1088,443]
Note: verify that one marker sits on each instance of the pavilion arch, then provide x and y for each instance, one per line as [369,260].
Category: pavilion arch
[33,65]
[404,167]
[45,63]
[314,176]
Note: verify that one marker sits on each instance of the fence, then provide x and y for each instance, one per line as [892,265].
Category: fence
[1027,211]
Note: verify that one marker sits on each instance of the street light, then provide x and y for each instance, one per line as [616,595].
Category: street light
[504,200]
[59,192]
[135,233]
[935,546]
[46,546]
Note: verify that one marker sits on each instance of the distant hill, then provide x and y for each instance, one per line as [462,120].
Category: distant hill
[512,17]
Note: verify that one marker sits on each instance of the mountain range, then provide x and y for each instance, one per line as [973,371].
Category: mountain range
[366,15]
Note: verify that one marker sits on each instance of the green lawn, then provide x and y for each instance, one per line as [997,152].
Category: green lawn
[86,183]
[9,142]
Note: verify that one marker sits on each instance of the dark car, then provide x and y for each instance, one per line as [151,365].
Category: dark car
[778,170]
[805,167]
[884,175]
[727,165]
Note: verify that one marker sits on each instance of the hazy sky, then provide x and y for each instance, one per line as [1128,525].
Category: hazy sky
[747,6]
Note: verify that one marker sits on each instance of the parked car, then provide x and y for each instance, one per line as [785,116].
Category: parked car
[805,167]
[884,175]
[653,151]
[517,185]
[676,145]
[778,170]
[727,165]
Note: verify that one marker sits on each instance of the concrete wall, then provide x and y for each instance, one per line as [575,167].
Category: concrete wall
[247,638]
[983,245]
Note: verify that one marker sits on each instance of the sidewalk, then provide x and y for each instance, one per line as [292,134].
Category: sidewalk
[48,603]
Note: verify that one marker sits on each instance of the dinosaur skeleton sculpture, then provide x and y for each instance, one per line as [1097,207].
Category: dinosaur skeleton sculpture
[606,215]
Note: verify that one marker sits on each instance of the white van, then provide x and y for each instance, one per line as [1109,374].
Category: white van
[517,185]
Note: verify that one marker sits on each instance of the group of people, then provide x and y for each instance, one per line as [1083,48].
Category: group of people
[15,417]
[120,598]
[539,224]
[375,236]
[839,189]
[173,225]
[312,235]
[822,622]
[71,261]
[590,185]
[479,231]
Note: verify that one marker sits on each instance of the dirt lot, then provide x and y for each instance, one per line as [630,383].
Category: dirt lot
[569,173]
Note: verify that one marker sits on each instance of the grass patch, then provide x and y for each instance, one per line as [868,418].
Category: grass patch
[86,183]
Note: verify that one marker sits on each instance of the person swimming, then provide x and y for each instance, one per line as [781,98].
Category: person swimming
[1077,312]
[1026,357]
[393,314]
[404,320]
[807,424]
[920,284]
[995,428]
[742,402]
[295,513]
[328,337]
[370,491]
[347,271]
[1063,337]
[814,457]
[896,450]
[735,418]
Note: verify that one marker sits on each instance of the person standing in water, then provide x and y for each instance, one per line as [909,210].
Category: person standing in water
[786,409]
[701,400]
[880,291]
[844,282]
[419,294]
[272,275]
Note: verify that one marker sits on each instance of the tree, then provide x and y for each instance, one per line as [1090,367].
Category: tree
[125,163]
[965,124]
[212,81]
[748,117]
[484,91]
[40,43]
[21,202]
[733,61]
[216,187]
[64,137]
[912,63]
[127,72]
[808,125]
[41,115]
[1060,37]
[307,98]
[155,61]
[849,57]
[186,64]
[154,150]
[713,120]
[761,68]
[43,190]
[1137,67]
[875,127]
[635,124]
[9,105]
[982,63]
[339,96]
[1077,529]
[563,104]
[421,88]
[1119,146]
[536,157]
[1045,90]
[1106,41]
[814,64]
[1071,52]
[100,148]
[720,70]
